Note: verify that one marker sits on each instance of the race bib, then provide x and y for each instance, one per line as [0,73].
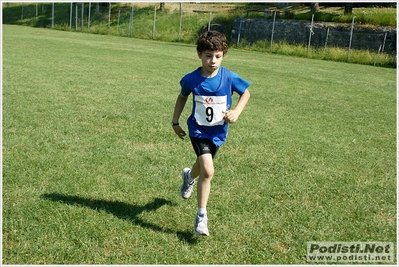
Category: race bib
[209,109]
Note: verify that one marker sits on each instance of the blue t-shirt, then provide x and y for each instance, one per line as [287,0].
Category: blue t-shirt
[210,97]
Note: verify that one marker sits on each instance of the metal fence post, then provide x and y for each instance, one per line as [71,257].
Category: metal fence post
[37,11]
[52,15]
[109,16]
[383,43]
[181,20]
[88,19]
[76,17]
[310,34]
[271,39]
[70,17]
[131,21]
[350,39]
[328,31]
[155,19]
[117,27]
[239,33]
[210,19]
[83,15]
[382,50]
[42,15]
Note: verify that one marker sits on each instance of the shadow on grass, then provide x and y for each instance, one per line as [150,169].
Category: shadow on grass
[124,211]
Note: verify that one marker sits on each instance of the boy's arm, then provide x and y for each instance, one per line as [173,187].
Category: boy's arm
[179,106]
[232,115]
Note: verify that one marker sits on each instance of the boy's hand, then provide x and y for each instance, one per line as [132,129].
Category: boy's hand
[179,131]
[231,116]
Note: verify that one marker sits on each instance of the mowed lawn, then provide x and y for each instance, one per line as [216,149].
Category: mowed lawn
[91,166]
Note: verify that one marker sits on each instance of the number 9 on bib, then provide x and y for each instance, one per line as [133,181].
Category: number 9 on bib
[209,110]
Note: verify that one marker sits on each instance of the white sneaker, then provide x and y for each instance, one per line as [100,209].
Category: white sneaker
[186,188]
[201,225]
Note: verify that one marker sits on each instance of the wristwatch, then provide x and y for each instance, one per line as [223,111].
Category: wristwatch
[174,124]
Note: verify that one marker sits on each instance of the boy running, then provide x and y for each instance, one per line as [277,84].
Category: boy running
[212,87]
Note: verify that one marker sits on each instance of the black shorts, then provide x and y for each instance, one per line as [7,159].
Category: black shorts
[204,146]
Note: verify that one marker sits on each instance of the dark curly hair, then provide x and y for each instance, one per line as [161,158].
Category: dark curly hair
[212,41]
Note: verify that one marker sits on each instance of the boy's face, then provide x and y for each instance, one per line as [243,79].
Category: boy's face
[211,61]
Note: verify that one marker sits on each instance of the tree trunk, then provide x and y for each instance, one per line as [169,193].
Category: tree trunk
[98,10]
[314,7]
[162,6]
[348,8]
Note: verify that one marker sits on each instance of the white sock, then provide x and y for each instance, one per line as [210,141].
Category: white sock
[201,211]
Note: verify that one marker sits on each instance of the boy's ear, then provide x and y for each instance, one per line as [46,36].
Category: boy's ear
[199,54]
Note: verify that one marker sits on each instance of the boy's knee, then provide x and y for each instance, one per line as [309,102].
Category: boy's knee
[208,173]
[206,166]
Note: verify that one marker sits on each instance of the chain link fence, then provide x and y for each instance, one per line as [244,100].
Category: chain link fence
[122,19]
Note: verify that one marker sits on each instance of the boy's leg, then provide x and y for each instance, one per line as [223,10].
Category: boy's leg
[203,168]
[206,172]
[195,170]
[189,176]
[205,163]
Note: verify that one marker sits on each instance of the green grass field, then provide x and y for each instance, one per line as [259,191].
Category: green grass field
[91,167]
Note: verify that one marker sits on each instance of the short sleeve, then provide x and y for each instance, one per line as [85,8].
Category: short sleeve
[185,88]
[239,85]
